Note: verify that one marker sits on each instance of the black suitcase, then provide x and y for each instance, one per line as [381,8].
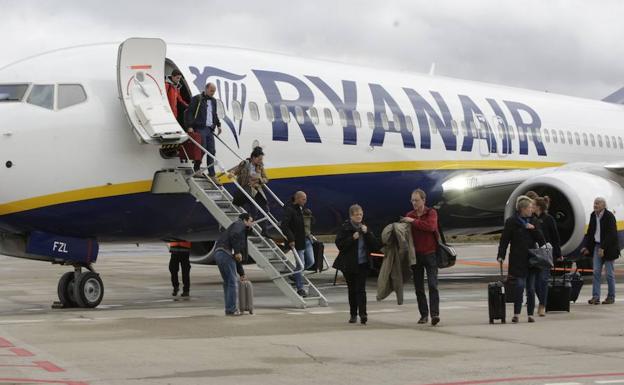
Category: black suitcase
[559,294]
[496,300]
[319,256]
[576,281]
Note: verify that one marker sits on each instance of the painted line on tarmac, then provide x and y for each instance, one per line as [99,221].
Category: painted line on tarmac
[610,382]
[564,383]
[529,378]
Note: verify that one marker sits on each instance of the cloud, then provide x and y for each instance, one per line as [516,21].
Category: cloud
[572,47]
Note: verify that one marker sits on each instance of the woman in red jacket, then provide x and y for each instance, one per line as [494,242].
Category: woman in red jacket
[172,86]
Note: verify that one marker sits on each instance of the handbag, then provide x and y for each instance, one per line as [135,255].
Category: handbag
[445,255]
[541,257]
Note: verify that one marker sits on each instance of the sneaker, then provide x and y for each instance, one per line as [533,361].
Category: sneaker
[423,320]
[531,319]
[608,301]
[353,319]
[435,320]
[541,310]
[514,319]
[175,291]
[199,174]
[302,293]
[185,294]
[235,314]
[363,320]
[594,301]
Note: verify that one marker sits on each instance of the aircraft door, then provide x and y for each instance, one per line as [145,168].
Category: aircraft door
[501,132]
[482,135]
[141,86]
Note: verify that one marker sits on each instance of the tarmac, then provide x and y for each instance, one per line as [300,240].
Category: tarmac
[142,335]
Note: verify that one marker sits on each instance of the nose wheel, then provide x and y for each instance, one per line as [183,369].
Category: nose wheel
[79,289]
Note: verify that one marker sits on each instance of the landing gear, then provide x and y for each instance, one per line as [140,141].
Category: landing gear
[78,289]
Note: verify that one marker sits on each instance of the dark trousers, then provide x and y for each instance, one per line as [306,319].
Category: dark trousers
[255,213]
[209,145]
[356,283]
[427,263]
[180,259]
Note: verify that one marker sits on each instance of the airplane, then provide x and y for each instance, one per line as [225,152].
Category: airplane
[85,131]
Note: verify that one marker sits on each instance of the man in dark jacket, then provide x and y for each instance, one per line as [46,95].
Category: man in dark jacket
[201,116]
[355,242]
[228,255]
[294,228]
[601,241]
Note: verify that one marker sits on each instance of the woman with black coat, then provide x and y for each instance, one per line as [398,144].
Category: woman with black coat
[551,235]
[522,232]
[355,242]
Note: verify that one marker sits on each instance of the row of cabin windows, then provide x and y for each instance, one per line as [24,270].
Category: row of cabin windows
[478,129]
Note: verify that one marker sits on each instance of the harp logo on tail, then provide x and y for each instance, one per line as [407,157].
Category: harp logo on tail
[230,89]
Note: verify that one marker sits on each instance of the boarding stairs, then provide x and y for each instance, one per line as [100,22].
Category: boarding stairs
[265,252]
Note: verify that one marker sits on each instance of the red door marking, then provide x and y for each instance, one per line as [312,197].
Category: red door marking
[141,67]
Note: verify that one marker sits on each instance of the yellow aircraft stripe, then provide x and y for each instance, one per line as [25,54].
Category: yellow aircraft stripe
[274,173]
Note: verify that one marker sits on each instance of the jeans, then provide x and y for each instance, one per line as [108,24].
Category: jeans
[541,286]
[598,263]
[227,268]
[356,284]
[307,254]
[527,283]
[177,260]
[209,145]
[427,263]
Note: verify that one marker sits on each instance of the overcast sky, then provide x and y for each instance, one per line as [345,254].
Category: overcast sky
[572,47]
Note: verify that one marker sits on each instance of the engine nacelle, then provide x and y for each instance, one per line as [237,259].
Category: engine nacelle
[572,195]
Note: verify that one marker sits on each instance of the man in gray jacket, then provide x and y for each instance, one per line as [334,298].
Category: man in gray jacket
[228,255]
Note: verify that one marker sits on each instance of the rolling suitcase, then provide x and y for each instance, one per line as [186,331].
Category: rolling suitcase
[319,256]
[189,150]
[496,300]
[559,293]
[245,296]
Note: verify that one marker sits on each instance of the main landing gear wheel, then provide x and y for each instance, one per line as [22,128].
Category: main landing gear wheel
[88,290]
[65,290]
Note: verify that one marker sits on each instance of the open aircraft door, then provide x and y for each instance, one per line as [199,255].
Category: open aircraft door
[141,85]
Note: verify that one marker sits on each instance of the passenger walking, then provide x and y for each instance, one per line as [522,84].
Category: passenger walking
[251,176]
[424,221]
[228,255]
[172,87]
[355,242]
[293,226]
[601,241]
[548,226]
[522,233]
[180,253]
[201,116]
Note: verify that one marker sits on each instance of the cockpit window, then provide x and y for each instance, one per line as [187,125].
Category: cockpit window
[69,95]
[42,96]
[12,92]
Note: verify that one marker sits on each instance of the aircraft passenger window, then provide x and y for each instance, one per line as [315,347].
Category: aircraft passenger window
[464,128]
[253,111]
[371,120]
[546,135]
[614,142]
[314,115]
[299,115]
[398,125]
[433,125]
[577,138]
[237,110]
[562,137]
[620,142]
[357,120]
[343,118]
[220,109]
[12,92]
[512,133]
[384,121]
[454,128]
[554,137]
[592,140]
[268,108]
[585,142]
[599,140]
[410,124]
[329,119]
[284,113]
[607,142]
[42,96]
[569,137]
[70,95]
